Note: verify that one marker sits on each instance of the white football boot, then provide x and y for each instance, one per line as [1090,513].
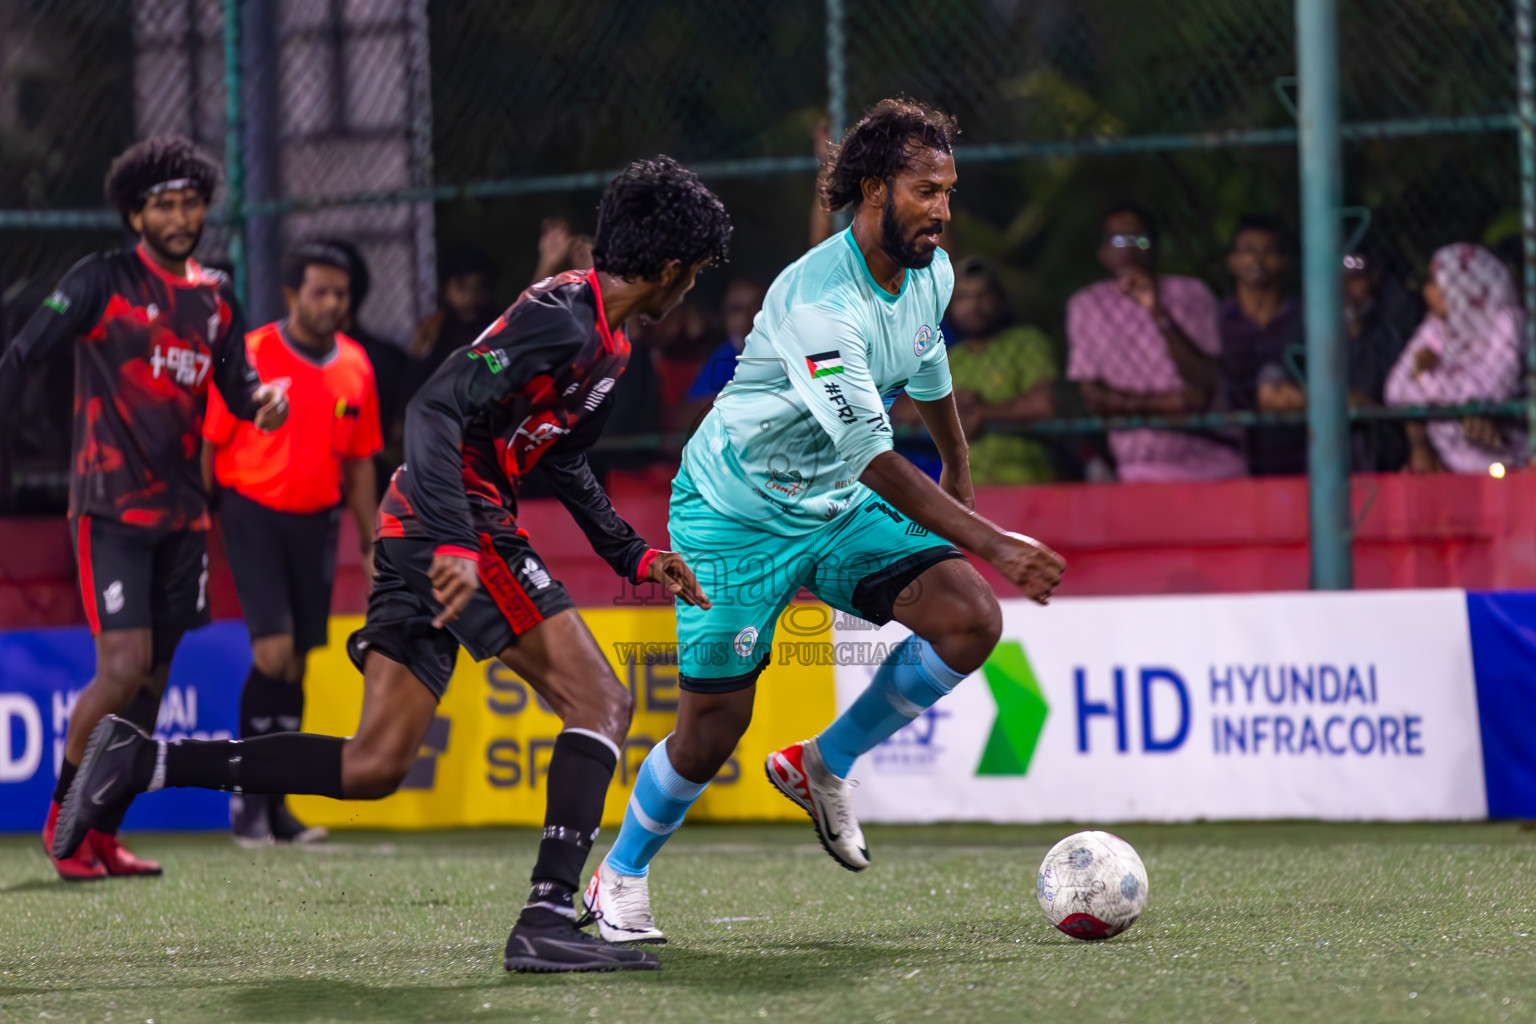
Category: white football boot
[800,774]
[621,906]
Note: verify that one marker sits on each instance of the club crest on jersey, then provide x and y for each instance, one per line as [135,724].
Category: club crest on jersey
[745,641]
[924,339]
[823,364]
[495,358]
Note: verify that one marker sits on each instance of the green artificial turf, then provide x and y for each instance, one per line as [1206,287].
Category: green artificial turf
[1257,922]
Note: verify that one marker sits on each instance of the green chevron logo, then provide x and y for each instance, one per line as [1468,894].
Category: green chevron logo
[1021,711]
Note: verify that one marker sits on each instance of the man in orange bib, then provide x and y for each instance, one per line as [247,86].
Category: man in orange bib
[279,503]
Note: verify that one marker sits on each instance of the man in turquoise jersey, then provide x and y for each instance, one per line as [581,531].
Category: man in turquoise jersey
[791,481]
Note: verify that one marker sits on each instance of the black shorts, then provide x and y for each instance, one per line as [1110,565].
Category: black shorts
[516,594]
[284,564]
[137,578]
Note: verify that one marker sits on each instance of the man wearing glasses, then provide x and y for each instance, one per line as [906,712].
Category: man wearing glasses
[1145,344]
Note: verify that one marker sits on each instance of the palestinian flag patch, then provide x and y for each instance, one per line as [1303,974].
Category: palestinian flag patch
[824,363]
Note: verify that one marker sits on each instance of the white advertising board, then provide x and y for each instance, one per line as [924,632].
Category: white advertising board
[1342,706]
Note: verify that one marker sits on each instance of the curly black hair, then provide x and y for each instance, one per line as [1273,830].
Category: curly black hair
[156,160]
[654,211]
[881,144]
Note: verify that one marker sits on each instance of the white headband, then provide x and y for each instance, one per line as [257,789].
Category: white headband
[174,185]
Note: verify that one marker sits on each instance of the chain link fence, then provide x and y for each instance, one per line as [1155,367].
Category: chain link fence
[417,129]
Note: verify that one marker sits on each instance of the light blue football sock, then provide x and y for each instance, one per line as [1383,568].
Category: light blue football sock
[656,808]
[910,680]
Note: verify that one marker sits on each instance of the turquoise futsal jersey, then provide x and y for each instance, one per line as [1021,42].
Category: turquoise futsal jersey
[784,445]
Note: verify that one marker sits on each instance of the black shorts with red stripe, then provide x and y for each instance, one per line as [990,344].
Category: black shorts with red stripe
[516,594]
[135,577]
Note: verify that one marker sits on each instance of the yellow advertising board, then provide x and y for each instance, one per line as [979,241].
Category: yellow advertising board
[486,756]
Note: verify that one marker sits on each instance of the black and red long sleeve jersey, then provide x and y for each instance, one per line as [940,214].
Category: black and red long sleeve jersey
[148,346]
[536,387]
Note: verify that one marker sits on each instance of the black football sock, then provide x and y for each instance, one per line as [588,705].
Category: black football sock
[580,770]
[288,707]
[259,700]
[285,762]
[143,711]
[66,776]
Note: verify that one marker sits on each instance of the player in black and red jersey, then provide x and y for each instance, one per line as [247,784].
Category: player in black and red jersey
[452,567]
[154,331]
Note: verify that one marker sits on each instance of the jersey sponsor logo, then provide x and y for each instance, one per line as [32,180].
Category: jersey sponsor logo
[495,359]
[113,598]
[185,366]
[543,432]
[786,482]
[595,396]
[923,340]
[913,530]
[58,302]
[535,574]
[744,642]
[824,364]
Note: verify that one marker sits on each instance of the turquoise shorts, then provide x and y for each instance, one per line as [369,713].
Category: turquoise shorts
[859,564]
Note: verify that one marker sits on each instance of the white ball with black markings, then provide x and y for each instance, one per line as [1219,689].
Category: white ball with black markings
[1092,885]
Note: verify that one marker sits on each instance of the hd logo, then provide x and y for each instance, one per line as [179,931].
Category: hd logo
[1021,711]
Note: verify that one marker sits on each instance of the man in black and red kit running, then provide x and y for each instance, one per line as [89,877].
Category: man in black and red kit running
[153,331]
[453,568]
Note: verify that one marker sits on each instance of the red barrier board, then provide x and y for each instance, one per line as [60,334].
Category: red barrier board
[1235,536]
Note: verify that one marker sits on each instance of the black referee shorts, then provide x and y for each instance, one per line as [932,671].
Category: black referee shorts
[284,565]
[516,594]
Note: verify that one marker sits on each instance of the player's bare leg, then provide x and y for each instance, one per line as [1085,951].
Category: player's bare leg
[956,621]
[120,761]
[561,660]
[126,684]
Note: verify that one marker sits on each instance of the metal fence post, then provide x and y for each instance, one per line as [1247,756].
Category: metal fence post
[1525,55]
[1317,64]
[234,154]
[262,151]
[837,85]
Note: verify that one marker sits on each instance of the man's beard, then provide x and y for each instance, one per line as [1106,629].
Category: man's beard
[160,247]
[903,251]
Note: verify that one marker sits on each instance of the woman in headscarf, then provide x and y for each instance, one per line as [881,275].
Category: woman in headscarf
[1466,350]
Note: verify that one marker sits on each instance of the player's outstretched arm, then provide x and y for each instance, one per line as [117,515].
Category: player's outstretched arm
[1028,564]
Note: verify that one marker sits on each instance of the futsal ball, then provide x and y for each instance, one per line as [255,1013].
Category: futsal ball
[1092,885]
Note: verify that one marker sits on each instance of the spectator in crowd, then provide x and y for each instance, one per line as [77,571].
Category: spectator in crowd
[466,304]
[1261,335]
[1003,373]
[561,249]
[743,298]
[1380,315]
[390,366]
[1466,350]
[1142,343]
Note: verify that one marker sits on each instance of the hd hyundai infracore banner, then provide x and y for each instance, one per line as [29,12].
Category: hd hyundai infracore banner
[1367,705]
